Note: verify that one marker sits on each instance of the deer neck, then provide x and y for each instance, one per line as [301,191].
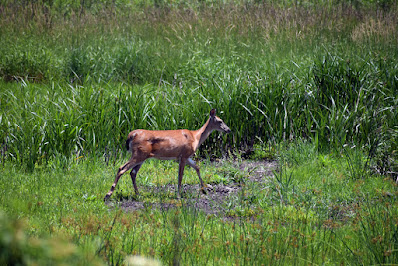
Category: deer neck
[203,133]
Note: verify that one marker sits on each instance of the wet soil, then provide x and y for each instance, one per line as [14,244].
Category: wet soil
[216,201]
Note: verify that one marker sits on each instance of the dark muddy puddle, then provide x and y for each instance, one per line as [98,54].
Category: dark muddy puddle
[217,200]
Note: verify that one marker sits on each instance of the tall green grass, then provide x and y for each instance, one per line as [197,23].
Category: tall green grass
[76,84]
[339,103]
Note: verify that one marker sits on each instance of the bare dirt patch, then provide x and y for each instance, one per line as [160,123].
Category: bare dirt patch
[217,199]
[259,171]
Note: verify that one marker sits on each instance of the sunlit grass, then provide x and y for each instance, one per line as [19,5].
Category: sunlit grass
[311,211]
[311,84]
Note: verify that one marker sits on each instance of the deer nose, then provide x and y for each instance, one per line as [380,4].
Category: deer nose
[227,130]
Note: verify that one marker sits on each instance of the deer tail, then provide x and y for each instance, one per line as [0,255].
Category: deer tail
[129,140]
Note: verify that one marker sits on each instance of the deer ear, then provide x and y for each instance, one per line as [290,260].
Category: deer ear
[213,112]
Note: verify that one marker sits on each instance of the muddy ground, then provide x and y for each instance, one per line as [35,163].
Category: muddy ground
[217,201]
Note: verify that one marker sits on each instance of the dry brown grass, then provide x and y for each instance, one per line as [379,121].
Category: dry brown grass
[376,28]
[265,20]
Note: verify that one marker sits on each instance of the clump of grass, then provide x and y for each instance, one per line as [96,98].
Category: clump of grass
[377,227]
[17,248]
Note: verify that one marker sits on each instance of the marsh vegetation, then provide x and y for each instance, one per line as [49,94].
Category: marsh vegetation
[308,88]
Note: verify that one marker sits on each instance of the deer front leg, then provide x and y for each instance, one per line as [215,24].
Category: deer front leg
[194,166]
[180,174]
[133,175]
[130,164]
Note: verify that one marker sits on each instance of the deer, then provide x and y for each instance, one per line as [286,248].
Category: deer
[178,145]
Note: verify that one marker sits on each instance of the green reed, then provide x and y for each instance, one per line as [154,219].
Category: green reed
[335,106]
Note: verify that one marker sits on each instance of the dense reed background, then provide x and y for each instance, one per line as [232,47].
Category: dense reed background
[83,76]
[77,76]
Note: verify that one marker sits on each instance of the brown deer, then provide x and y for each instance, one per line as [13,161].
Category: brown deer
[178,144]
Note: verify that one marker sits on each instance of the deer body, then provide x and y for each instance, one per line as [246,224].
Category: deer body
[163,145]
[167,145]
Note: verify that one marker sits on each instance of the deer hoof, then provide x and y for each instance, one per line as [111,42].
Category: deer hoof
[107,196]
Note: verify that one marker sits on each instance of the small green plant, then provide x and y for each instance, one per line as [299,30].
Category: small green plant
[282,184]
[263,152]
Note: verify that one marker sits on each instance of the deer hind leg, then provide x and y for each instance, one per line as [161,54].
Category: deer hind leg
[133,175]
[194,166]
[124,168]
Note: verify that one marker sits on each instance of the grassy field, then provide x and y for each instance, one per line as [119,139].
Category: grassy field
[311,84]
[312,212]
